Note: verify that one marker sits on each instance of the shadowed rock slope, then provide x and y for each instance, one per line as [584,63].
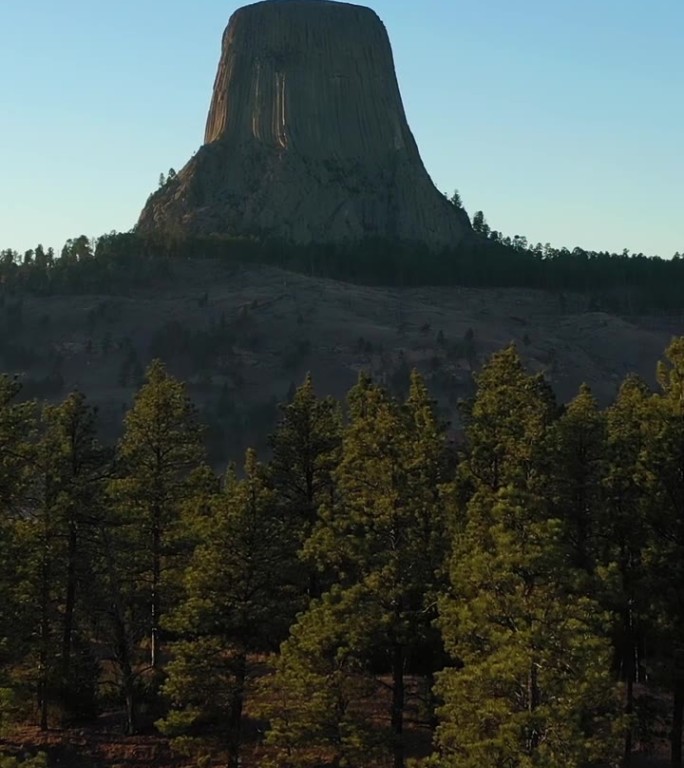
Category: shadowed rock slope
[306,138]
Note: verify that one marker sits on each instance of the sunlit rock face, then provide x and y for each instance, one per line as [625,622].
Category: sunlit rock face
[306,138]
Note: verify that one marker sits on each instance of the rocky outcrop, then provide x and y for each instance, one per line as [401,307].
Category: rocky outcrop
[306,138]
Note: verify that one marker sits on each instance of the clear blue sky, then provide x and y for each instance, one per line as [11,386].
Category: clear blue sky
[562,119]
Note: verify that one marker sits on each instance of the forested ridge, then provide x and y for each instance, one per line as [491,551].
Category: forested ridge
[514,595]
[625,282]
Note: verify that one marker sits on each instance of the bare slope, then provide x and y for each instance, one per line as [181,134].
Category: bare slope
[243,339]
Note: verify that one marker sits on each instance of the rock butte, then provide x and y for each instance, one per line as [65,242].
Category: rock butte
[306,139]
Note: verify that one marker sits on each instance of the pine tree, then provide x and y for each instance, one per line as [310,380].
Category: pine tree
[576,456]
[385,535]
[505,424]
[121,600]
[16,425]
[663,460]
[62,502]
[141,546]
[532,685]
[622,523]
[306,451]
[238,599]
[480,224]
[314,701]
[456,200]
[16,455]
[158,453]
[76,465]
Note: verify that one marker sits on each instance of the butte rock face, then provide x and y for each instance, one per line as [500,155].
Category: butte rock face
[306,139]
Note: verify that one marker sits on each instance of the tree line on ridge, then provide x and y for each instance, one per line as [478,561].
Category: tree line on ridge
[119,262]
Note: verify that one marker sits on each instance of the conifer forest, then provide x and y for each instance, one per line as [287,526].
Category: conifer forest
[376,590]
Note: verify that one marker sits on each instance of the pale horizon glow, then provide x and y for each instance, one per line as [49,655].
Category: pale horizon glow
[562,122]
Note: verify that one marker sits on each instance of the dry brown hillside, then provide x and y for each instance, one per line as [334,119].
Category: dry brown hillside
[244,338]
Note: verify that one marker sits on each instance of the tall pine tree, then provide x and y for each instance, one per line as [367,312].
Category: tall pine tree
[663,460]
[158,453]
[238,599]
[530,685]
[306,451]
[621,524]
[384,535]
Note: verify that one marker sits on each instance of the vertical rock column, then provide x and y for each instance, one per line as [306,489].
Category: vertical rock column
[306,137]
